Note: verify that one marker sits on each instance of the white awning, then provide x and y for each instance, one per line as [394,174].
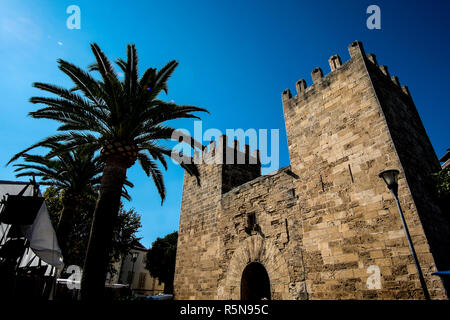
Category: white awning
[40,234]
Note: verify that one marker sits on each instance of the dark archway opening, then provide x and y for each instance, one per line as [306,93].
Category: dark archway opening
[255,283]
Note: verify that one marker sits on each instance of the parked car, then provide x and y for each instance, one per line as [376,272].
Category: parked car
[161,296]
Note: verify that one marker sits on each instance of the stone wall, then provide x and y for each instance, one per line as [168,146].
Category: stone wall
[197,263]
[197,269]
[275,242]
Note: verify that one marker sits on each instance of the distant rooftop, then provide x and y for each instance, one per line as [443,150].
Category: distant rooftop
[138,246]
[446,159]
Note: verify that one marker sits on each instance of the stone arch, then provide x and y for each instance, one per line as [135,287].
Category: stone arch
[264,251]
[255,283]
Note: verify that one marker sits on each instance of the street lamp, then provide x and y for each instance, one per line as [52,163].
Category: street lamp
[134,256]
[390,177]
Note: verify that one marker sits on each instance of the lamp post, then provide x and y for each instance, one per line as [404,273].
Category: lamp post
[134,256]
[390,177]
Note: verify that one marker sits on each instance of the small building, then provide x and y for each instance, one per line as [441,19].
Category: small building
[445,159]
[132,271]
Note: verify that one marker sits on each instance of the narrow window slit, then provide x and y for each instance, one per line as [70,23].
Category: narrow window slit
[351,174]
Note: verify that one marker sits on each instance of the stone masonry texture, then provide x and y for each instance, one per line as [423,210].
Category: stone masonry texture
[322,222]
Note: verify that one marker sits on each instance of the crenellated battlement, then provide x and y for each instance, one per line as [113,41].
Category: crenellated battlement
[335,62]
[356,50]
[219,152]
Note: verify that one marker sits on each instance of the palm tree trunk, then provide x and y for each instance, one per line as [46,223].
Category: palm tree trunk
[65,223]
[102,230]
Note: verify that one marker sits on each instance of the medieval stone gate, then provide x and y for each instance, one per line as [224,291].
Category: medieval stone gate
[256,249]
[317,226]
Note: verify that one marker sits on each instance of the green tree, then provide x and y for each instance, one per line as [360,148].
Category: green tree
[442,180]
[161,260]
[126,121]
[128,224]
[54,204]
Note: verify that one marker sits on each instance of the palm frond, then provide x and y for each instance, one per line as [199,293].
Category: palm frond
[95,113]
[151,169]
[84,82]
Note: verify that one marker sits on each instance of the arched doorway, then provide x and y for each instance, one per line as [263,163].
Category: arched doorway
[255,283]
[265,252]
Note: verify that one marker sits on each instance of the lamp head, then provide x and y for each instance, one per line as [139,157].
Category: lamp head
[390,177]
[134,255]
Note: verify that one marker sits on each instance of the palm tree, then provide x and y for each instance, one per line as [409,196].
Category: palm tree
[125,120]
[76,173]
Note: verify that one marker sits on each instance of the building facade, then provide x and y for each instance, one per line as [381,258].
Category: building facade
[445,159]
[131,271]
[325,227]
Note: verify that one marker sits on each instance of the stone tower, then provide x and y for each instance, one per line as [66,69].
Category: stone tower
[198,247]
[325,227]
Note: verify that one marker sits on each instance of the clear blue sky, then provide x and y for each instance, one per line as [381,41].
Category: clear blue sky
[235,59]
